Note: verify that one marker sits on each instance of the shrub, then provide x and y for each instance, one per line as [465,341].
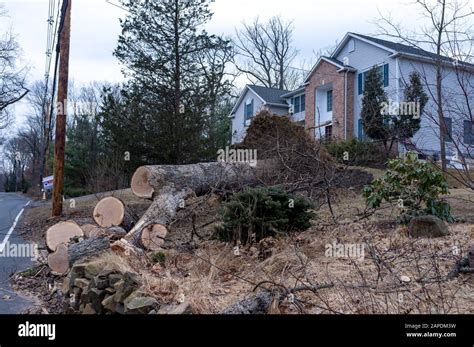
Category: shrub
[359,153]
[414,186]
[258,213]
[159,258]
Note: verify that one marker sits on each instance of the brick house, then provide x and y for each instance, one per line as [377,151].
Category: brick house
[330,99]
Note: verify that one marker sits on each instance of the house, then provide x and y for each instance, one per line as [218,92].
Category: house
[255,99]
[332,93]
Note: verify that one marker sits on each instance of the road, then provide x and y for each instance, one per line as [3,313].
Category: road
[10,207]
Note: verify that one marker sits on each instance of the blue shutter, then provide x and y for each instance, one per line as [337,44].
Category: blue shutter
[468,135]
[361,84]
[386,75]
[449,129]
[303,103]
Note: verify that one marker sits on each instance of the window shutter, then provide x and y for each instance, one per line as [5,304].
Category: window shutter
[449,129]
[468,136]
[361,84]
[386,75]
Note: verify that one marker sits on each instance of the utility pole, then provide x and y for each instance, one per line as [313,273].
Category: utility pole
[60,139]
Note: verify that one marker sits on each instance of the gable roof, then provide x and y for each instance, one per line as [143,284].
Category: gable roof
[269,96]
[395,48]
[331,60]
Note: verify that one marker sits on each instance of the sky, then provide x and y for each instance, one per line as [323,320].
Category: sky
[95,28]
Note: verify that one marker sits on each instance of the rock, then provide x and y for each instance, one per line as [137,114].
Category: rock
[66,287]
[405,279]
[114,278]
[100,282]
[120,308]
[96,296]
[137,303]
[109,303]
[89,309]
[82,283]
[427,227]
[184,308]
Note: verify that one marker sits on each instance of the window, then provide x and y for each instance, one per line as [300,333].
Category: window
[248,110]
[468,132]
[449,129]
[328,132]
[299,103]
[384,71]
[329,101]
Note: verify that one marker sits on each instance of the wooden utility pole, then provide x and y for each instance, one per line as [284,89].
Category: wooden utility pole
[60,138]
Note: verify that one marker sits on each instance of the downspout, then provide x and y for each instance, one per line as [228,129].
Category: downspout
[345,105]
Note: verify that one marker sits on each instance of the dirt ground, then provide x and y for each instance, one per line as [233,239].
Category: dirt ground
[391,273]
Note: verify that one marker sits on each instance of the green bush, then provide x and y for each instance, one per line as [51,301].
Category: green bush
[414,186]
[255,214]
[357,153]
[159,258]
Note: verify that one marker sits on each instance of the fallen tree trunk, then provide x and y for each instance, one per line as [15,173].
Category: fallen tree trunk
[111,212]
[261,302]
[65,257]
[170,186]
[149,181]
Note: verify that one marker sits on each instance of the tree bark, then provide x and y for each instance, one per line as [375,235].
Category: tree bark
[170,186]
[65,257]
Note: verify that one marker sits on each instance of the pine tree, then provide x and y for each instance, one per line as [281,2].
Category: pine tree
[376,125]
[172,68]
[408,124]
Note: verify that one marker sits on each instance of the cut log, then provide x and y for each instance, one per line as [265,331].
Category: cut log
[109,212]
[62,233]
[153,237]
[170,186]
[58,261]
[96,232]
[65,257]
[87,228]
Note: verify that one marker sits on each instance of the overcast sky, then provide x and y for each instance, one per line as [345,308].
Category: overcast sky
[95,28]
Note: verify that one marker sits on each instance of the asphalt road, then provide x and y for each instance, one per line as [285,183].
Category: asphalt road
[10,207]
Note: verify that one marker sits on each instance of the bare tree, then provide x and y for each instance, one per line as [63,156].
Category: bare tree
[266,52]
[12,78]
[447,33]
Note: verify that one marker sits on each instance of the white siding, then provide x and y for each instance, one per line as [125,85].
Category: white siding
[363,58]
[238,122]
[239,129]
[427,138]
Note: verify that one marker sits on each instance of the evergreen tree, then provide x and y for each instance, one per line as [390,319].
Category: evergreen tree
[408,124]
[176,72]
[376,125]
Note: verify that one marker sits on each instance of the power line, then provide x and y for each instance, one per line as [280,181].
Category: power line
[118,6]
